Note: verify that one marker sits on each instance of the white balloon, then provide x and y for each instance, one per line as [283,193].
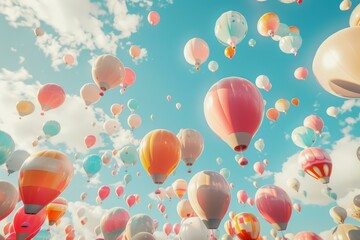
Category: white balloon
[213,66]
[332,111]
[194,229]
[262,81]
[16,160]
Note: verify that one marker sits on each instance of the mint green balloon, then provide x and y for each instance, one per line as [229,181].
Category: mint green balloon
[231,28]
[128,155]
[51,128]
[225,173]
[127,178]
[7,146]
[219,161]
[133,105]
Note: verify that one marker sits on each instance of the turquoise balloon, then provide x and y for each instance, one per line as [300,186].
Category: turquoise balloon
[51,128]
[303,137]
[219,161]
[42,235]
[333,196]
[92,165]
[128,155]
[225,173]
[127,178]
[133,105]
[7,146]
[252,42]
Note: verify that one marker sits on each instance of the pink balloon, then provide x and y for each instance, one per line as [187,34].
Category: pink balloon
[129,78]
[103,192]
[162,208]
[192,145]
[119,190]
[251,201]
[156,223]
[314,122]
[51,96]
[226,104]
[34,223]
[297,207]
[176,228]
[153,18]
[274,205]
[130,200]
[301,73]
[242,196]
[307,236]
[113,223]
[259,168]
[138,174]
[90,141]
[243,162]
[69,59]
[167,228]
[113,172]
[232,185]
[266,162]
[168,97]
[268,87]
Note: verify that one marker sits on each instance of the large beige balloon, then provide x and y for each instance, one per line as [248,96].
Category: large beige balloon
[355,17]
[346,232]
[139,223]
[9,197]
[336,63]
[194,229]
[338,214]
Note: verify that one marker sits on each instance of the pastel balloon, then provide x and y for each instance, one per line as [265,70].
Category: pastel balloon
[338,214]
[345,5]
[307,236]
[332,111]
[317,163]
[168,97]
[129,78]
[268,24]
[262,81]
[119,190]
[301,73]
[179,187]
[153,18]
[128,155]
[9,197]
[225,105]
[176,228]
[243,162]
[113,223]
[83,196]
[69,59]
[132,105]
[160,152]
[26,226]
[293,183]
[297,207]
[92,165]
[103,192]
[213,66]
[229,52]
[107,72]
[247,226]
[259,144]
[39,179]
[134,121]
[184,209]
[213,187]
[194,229]
[242,196]
[251,201]
[50,96]
[196,52]
[135,51]
[39,32]
[106,157]
[56,210]
[355,17]
[259,168]
[51,128]
[282,105]
[229,227]
[15,161]
[178,106]
[282,31]
[111,126]
[274,204]
[192,145]
[127,178]
[252,42]
[116,109]
[139,223]
[231,28]
[295,101]
[225,173]
[169,192]
[272,114]
[167,228]
[266,162]
[290,44]
[303,137]
[25,107]
[314,122]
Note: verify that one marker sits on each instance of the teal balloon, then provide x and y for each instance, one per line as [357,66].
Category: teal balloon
[219,161]
[225,173]
[301,173]
[128,155]
[92,165]
[7,146]
[252,42]
[127,178]
[303,137]
[51,128]
[42,235]
[133,105]
[333,196]
[152,117]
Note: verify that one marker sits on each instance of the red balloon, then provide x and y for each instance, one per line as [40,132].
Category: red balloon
[27,225]
[103,192]
[51,96]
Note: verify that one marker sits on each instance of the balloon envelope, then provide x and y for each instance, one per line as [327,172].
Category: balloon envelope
[113,223]
[9,197]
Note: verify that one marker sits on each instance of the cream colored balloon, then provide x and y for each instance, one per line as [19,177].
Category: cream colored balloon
[332,111]
[345,5]
[338,214]
[336,63]
[355,17]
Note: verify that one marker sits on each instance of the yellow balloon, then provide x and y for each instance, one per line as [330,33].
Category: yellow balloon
[25,107]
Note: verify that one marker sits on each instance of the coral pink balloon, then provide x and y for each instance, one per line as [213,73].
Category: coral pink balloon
[129,78]
[134,121]
[225,106]
[90,141]
[307,236]
[116,109]
[168,97]
[301,73]
[272,114]
[317,163]
[251,201]
[113,223]
[242,196]
[153,18]
[259,168]
[50,96]
[268,24]
[297,207]
[232,185]
[243,162]
[192,145]
[26,225]
[167,228]
[119,190]
[130,200]
[103,192]
[176,228]
[274,204]
[315,123]
[134,51]
[69,59]
[162,208]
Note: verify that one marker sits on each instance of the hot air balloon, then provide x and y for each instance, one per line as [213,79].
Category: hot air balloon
[107,72]
[196,52]
[142,236]
[290,44]
[134,51]
[268,24]
[346,232]
[332,111]
[251,201]
[26,226]
[25,107]
[194,229]
[213,66]
[295,101]
[180,187]
[92,165]
[119,190]
[116,109]
[303,137]
[317,163]
[56,210]
[355,17]
[133,105]
[314,122]
[51,128]
[69,59]
[178,106]
[307,236]
[129,78]
[139,223]
[15,161]
[170,193]
[9,197]
[242,196]
[282,31]
[293,183]
[252,42]
[231,28]
[214,188]
[301,73]
[153,18]
[184,209]
[282,105]
[39,179]
[225,173]
[247,226]
[345,5]
[229,227]
[83,196]
[297,207]
[134,121]
[272,114]
[219,161]
[243,162]
[192,145]
[128,155]
[103,192]
[113,223]
[335,63]
[90,93]
[259,144]
[274,205]
[226,104]
[127,178]
[50,96]
[176,228]
[262,81]
[160,152]
[259,168]
[39,32]
[338,214]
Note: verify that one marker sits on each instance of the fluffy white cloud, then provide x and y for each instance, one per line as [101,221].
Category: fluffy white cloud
[20,75]
[348,105]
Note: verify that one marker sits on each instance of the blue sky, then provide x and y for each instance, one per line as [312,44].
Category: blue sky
[163,71]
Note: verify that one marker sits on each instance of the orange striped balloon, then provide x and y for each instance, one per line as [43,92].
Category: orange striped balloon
[56,209]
